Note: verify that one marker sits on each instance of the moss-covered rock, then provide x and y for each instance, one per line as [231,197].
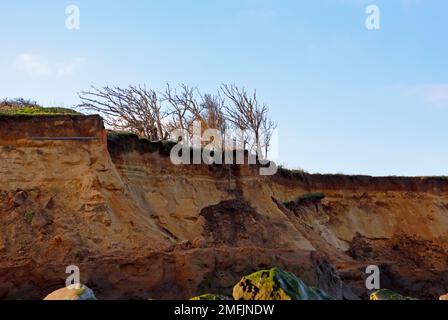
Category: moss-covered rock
[276,284]
[73,292]
[211,296]
[386,294]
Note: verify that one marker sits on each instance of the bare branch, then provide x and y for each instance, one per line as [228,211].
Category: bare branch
[135,109]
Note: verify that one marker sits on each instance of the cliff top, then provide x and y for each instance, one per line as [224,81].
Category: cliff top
[29,126]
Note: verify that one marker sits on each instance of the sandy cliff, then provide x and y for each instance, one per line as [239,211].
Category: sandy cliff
[140,227]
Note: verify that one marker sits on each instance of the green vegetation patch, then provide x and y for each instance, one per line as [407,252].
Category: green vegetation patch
[117,136]
[18,107]
[291,173]
[313,196]
[28,216]
[309,198]
[80,291]
[38,111]
[124,141]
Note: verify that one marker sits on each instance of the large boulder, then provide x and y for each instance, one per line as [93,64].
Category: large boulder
[211,296]
[73,292]
[386,294]
[276,284]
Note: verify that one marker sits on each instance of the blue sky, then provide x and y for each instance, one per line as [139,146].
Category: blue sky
[346,99]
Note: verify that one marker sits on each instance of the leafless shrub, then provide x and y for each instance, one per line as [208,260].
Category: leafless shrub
[17,103]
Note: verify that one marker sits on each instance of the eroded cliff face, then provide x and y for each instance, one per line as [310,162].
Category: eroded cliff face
[140,227]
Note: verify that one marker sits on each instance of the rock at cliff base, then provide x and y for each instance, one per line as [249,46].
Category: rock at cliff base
[211,296]
[444,297]
[73,292]
[19,198]
[386,294]
[276,284]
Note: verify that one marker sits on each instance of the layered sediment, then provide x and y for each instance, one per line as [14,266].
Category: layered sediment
[140,227]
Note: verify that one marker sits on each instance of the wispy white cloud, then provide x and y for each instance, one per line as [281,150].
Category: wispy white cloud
[70,67]
[36,66]
[430,94]
[32,64]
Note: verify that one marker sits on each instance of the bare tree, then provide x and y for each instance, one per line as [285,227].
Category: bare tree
[187,105]
[247,113]
[268,128]
[134,109]
[184,107]
[152,115]
[213,116]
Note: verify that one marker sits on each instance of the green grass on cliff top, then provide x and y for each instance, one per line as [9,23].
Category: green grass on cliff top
[20,106]
[36,111]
